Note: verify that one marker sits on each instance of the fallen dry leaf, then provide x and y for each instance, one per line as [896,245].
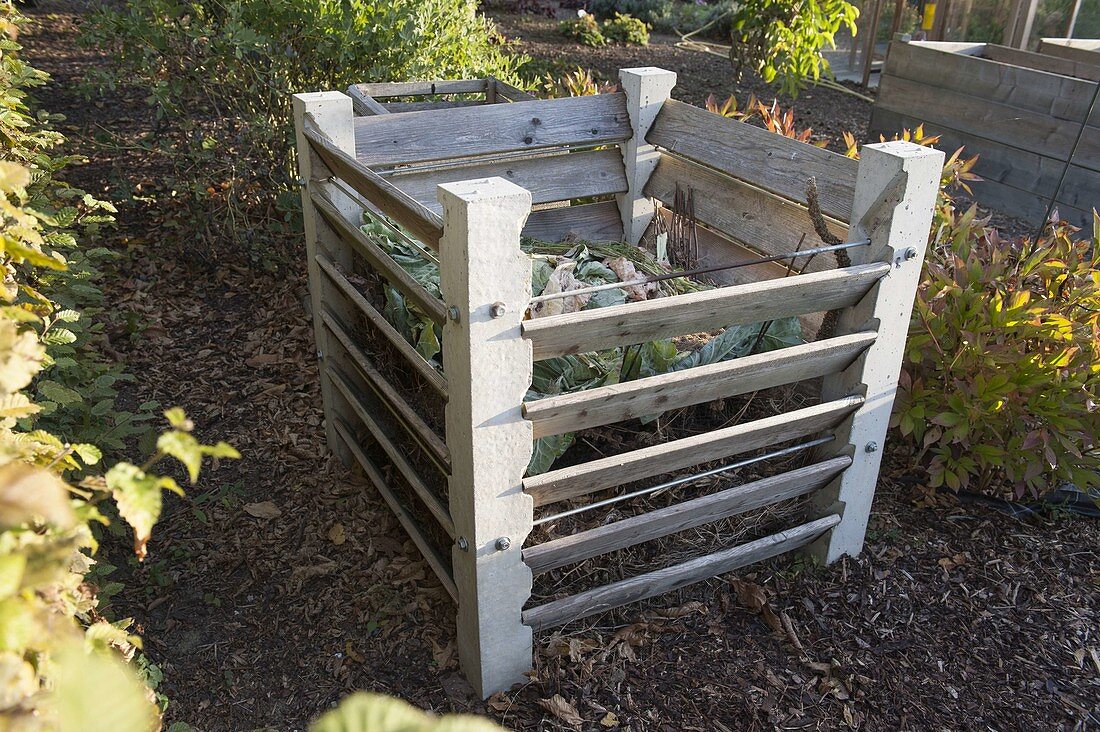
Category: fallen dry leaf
[262,360]
[563,710]
[336,534]
[610,720]
[263,510]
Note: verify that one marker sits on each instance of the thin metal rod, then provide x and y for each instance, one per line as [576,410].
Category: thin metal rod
[700,270]
[685,479]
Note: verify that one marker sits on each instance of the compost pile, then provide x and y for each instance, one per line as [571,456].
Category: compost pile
[571,266]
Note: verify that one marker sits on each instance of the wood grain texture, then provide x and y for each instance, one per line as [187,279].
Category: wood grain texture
[422,367]
[386,90]
[395,453]
[763,221]
[549,178]
[391,399]
[681,516]
[698,312]
[1083,50]
[594,221]
[655,394]
[647,462]
[364,104]
[491,128]
[434,559]
[778,163]
[1042,62]
[509,92]
[431,306]
[425,224]
[402,107]
[674,577]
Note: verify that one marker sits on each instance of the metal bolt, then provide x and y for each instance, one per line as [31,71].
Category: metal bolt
[871,447]
[497,309]
[452,313]
[320,355]
[463,544]
[503,543]
[905,255]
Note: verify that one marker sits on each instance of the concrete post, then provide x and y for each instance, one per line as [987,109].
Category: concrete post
[646,90]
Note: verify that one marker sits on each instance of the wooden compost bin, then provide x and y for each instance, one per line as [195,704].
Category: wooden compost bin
[1020,111]
[464,173]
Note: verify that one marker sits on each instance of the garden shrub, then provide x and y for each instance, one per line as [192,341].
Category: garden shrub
[584,30]
[626,29]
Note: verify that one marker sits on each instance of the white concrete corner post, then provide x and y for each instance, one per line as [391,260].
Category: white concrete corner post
[332,113]
[894,198]
[646,90]
[486,283]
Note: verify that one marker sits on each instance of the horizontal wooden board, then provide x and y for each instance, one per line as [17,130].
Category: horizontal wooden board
[644,527]
[654,394]
[395,453]
[700,312]
[763,221]
[490,129]
[511,93]
[378,259]
[765,159]
[386,90]
[432,556]
[1083,50]
[402,107]
[593,221]
[647,462]
[425,224]
[671,578]
[1042,62]
[549,178]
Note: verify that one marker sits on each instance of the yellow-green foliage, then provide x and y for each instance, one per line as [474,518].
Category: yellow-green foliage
[626,29]
[584,30]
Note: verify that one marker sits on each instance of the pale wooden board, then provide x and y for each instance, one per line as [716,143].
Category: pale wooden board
[378,259]
[425,224]
[1042,62]
[760,220]
[644,527]
[593,221]
[1084,50]
[364,104]
[549,178]
[647,462]
[395,453]
[491,128]
[385,90]
[671,578]
[434,559]
[776,163]
[699,312]
[655,394]
[511,93]
[402,107]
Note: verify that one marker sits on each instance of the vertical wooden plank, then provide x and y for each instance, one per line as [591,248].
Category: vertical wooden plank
[895,193]
[646,90]
[332,113]
[486,282]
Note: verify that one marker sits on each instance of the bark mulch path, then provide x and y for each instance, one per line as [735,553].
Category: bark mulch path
[281,583]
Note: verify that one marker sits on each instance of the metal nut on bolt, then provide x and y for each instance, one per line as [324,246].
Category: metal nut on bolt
[871,447]
[452,313]
[497,309]
[463,544]
[905,255]
[503,543]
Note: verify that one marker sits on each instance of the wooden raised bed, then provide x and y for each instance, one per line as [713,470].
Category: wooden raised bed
[465,175]
[1020,111]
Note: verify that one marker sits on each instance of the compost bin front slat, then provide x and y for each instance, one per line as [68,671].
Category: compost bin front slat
[1042,62]
[646,462]
[396,455]
[671,578]
[425,369]
[766,222]
[595,221]
[374,475]
[682,516]
[654,394]
[402,107]
[422,223]
[778,163]
[695,312]
[388,89]
[391,399]
[491,128]
[378,259]
[549,178]
[511,93]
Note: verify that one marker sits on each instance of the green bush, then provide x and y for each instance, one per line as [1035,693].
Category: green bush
[584,30]
[626,29]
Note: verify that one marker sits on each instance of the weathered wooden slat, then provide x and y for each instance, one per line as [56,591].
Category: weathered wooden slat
[423,223]
[761,220]
[387,90]
[422,367]
[432,556]
[491,128]
[378,259]
[511,93]
[1042,62]
[1082,50]
[681,516]
[594,221]
[647,462]
[697,312]
[396,455]
[424,435]
[628,400]
[402,107]
[671,578]
[780,164]
[364,104]
[549,178]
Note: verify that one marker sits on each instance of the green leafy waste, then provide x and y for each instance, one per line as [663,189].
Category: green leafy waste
[562,267]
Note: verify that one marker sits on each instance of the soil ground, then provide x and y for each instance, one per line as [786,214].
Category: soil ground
[953,617]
